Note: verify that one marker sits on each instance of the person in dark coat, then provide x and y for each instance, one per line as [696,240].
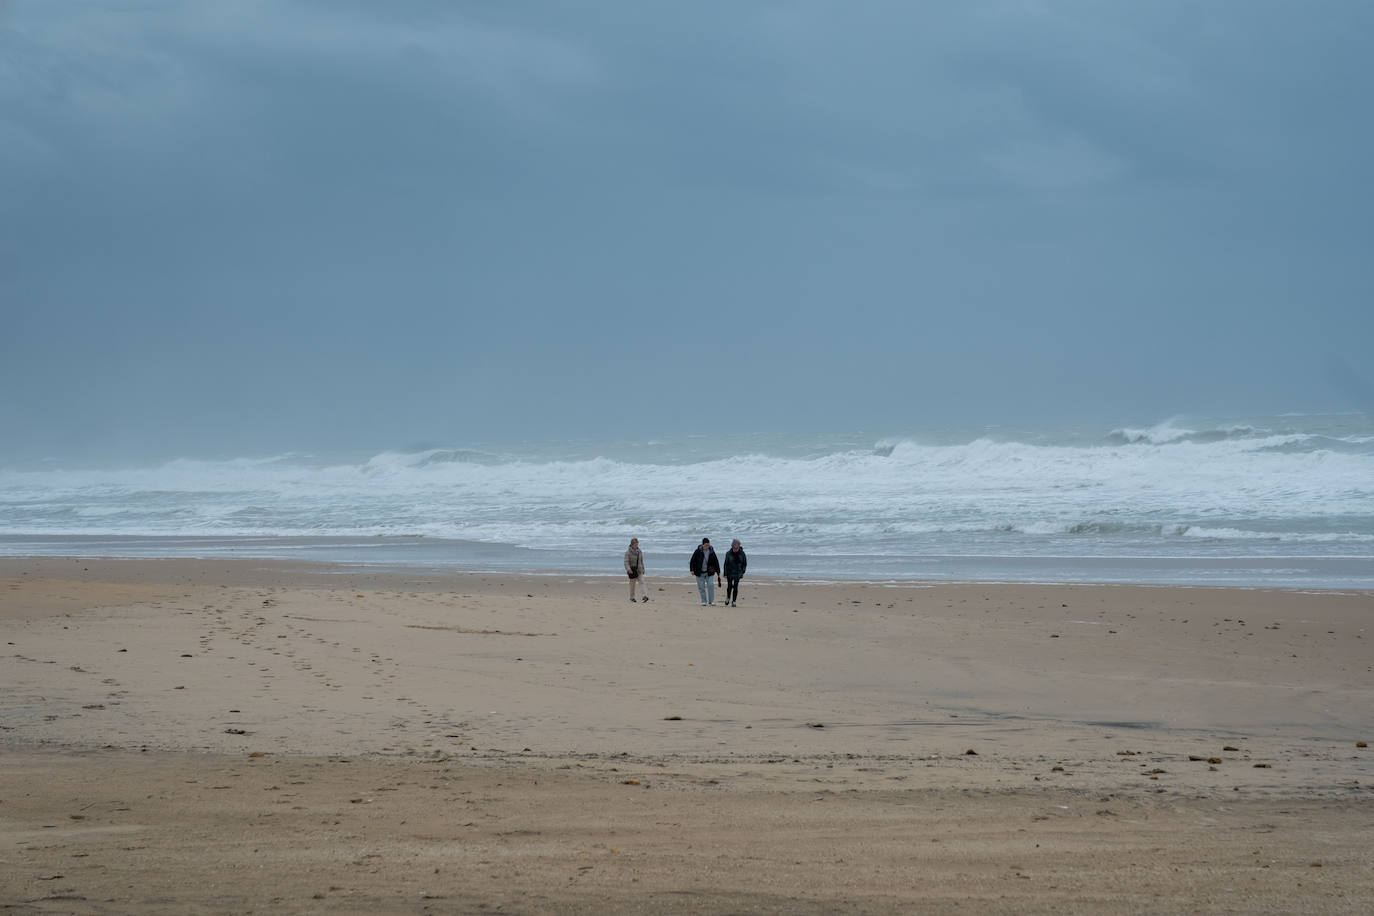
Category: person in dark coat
[706,567]
[735,563]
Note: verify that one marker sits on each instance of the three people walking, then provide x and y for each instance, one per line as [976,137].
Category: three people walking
[705,565]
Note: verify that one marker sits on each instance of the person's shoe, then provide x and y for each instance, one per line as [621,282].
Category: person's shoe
[645,599]
[732,604]
[703,604]
[632,601]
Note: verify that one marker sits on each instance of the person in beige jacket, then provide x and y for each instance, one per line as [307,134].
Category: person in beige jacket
[634,568]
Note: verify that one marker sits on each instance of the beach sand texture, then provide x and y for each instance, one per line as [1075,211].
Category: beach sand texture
[224,736]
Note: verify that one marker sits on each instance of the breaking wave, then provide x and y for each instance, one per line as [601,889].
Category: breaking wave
[1255,484]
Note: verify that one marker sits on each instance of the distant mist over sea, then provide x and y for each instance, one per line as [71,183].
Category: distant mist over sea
[1282,500]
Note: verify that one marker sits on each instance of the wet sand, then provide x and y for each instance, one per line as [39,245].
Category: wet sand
[222,736]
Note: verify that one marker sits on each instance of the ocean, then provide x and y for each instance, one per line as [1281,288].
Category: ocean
[1278,501]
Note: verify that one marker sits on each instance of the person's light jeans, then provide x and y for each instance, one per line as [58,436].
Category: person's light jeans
[706,585]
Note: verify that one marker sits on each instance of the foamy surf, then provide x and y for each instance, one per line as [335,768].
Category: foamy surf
[1247,488]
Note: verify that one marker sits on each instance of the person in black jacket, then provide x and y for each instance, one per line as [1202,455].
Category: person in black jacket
[706,567]
[735,563]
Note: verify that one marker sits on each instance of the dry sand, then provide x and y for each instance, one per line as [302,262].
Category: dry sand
[183,736]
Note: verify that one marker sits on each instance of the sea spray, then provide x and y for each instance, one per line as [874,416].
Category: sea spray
[1247,488]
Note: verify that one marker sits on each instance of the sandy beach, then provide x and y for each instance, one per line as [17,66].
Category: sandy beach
[242,735]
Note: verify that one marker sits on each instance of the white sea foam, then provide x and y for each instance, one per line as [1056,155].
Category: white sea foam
[1137,490]
[1292,537]
[1158,434]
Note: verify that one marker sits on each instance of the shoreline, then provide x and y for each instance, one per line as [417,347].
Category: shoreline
[410,554]
[362,741]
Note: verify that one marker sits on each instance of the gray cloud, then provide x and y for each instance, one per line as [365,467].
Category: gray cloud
[269,225]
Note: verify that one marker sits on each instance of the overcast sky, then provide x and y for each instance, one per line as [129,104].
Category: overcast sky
[237,227]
